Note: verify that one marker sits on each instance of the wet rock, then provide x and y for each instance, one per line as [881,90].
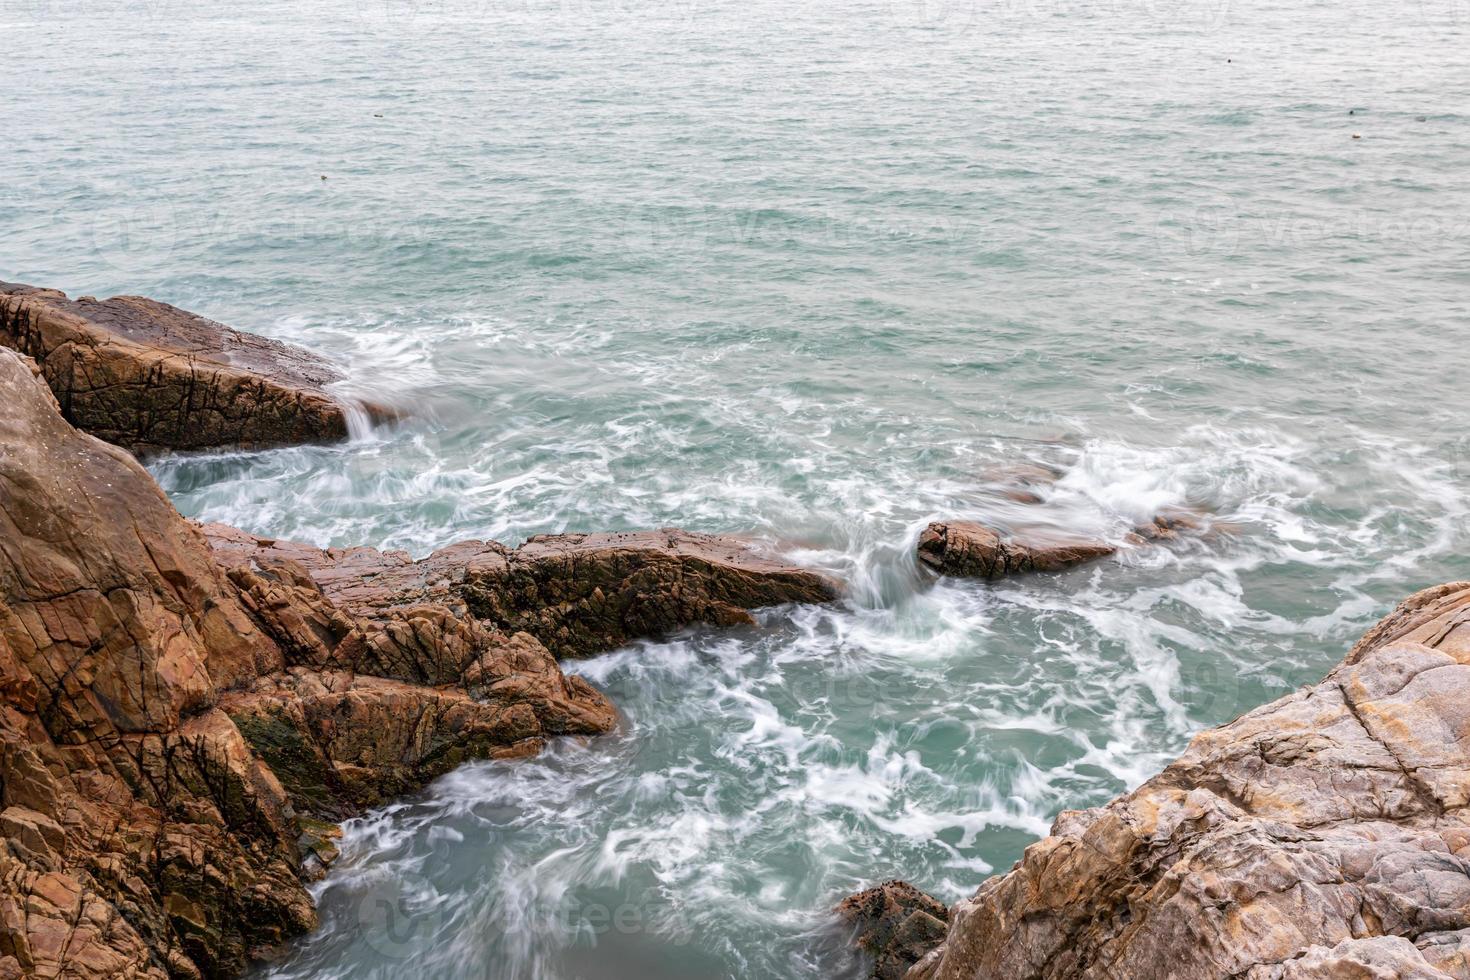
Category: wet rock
[147,832]
[896,924]
[142,836]
[1170,525]
[578,594]
[965,548]
[149,377]
[1322,835]
[169,711]
[339,741]
[1023,483]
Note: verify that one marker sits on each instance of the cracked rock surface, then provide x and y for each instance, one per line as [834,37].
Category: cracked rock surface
[173,716]
[578,594]
[1324,835]
[971,550]
[151,377]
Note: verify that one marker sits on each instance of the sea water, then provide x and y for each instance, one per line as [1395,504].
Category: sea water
[809,272]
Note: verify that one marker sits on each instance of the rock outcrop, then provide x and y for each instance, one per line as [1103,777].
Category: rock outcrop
[971,550]
[143,837]
[1324,835]
[578,594]
[171,713]
[149,377]
[174,718]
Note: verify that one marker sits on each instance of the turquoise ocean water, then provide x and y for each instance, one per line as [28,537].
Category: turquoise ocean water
[803,271]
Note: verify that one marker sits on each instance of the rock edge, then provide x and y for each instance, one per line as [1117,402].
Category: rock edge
[1323,835]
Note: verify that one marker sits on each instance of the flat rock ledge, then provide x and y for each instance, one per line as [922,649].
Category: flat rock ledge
[179,726]
[970,550]
[151,377]
[578,594]
[1324,835]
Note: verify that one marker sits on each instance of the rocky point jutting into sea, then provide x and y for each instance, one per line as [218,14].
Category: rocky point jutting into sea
[184,706]
[186,709]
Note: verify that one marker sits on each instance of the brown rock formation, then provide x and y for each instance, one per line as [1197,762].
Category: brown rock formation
[972,550]
[148,376]
[172,714]
[579,594]
[1322,835]
[145,836]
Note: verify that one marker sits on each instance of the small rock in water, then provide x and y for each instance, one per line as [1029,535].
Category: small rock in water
[897,924]
[970,550]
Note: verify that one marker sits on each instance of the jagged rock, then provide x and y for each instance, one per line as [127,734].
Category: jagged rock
[1322,835]
[339,741]
[144,835]
[896,924]
[170,712]
[968,549]
[578,594]
[148,376]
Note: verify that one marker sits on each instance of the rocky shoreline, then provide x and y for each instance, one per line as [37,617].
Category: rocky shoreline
[186,710]
[151,377]
[1322,835]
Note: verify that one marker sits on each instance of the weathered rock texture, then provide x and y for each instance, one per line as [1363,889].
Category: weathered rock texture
[1323,835]
[142,836]
[965,548]
[145,835]
[579,594]
[148,376]
[171,715]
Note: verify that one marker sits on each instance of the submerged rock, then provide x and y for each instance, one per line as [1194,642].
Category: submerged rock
[1023,483]
[968,549]
[1322,835]
[150,377]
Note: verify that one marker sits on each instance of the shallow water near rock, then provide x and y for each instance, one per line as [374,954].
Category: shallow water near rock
[806,273]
